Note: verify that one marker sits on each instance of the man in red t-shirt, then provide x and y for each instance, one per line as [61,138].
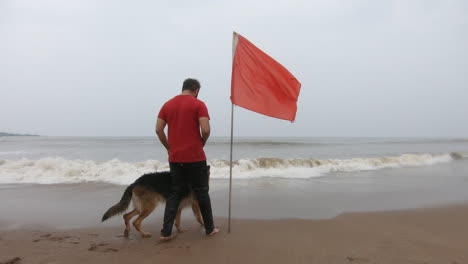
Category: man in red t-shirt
[185,117]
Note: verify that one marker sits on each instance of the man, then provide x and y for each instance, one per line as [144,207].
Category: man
[186,116]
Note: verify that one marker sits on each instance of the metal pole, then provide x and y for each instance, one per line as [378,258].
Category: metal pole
[230,168]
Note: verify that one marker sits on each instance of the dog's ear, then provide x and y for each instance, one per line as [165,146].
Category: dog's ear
[208,167]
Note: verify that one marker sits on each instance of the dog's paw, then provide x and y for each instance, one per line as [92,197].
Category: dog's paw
[145,235]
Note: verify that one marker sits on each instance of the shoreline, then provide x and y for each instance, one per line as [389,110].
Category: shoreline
[424,235]
[412,215]
[82,205]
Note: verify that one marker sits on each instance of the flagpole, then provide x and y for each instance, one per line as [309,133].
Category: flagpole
[230,168]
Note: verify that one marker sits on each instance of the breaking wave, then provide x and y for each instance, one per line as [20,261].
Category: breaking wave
[54,170]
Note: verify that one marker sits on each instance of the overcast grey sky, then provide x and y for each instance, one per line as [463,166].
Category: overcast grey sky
[104,68]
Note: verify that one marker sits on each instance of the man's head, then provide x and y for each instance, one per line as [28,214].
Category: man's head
[192,86]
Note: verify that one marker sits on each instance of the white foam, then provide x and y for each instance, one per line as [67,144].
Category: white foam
[308,168]
[59,170]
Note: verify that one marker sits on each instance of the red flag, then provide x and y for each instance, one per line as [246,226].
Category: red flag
[261,84]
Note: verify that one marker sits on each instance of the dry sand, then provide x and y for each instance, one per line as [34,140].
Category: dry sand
[437,235]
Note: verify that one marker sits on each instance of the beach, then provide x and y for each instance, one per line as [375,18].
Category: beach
[274,221]
[411,236]
[346,201]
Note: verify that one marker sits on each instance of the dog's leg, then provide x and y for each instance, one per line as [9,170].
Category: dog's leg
[137,222]
[127,217]
[177,221]
[145,204]
[197,213]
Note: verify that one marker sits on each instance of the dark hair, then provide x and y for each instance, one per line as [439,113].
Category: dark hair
[190,84]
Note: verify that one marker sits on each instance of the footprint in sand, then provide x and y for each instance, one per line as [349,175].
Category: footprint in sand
[183,247]
[15,260]
[130,237]
[50,237]
[167,248]
[58,238]
[102,247]
[42,237]
[357,260]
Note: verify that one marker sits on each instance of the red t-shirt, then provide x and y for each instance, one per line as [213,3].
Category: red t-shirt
[181,114]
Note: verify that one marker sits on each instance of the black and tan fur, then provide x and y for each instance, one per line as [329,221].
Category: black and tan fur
[146,193]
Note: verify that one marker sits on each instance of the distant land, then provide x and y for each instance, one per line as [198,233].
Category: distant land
[3,134]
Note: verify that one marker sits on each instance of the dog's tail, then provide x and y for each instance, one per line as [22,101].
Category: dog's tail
[120,206]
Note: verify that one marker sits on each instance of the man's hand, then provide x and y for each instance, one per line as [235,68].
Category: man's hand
[160,125]
[205,129]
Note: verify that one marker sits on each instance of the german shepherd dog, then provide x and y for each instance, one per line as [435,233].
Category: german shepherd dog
[146,193]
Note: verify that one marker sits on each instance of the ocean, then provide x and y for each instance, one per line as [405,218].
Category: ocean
[75,179]
[120,160]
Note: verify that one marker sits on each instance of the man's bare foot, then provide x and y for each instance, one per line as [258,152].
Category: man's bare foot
[167,238]
[214,232]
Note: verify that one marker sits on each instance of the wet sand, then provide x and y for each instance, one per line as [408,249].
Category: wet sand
[436,235]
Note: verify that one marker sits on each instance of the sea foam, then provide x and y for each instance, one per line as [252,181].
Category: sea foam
[55,170]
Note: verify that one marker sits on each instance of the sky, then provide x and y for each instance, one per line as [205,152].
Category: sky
[104,68]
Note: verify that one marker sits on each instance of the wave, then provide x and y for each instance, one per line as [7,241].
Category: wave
[55,170]
[338,141]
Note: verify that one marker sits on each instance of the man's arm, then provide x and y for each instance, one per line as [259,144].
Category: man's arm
[160,125]
[205,129]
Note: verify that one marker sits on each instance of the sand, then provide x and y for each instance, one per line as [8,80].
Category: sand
[436,235]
